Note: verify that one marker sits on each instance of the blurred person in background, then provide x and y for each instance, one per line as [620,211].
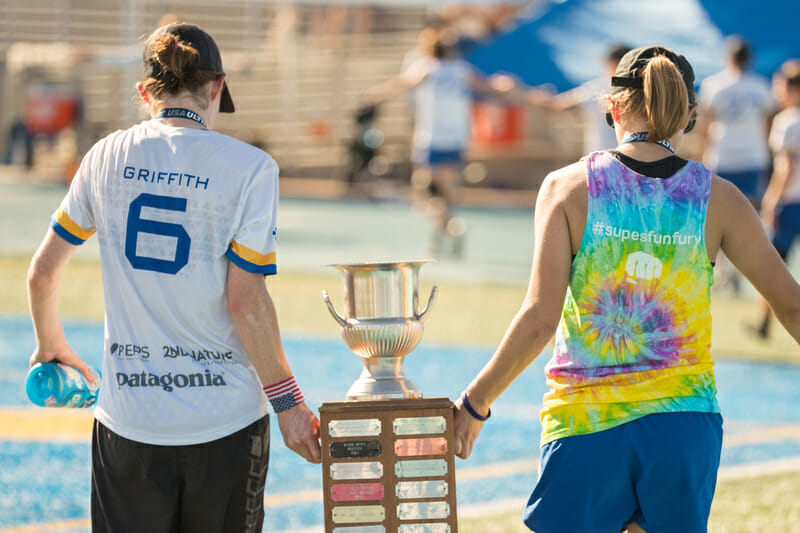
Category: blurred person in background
[622,270]
[589,98]
[780,207]
[186,222]
[442,84]
[736,107]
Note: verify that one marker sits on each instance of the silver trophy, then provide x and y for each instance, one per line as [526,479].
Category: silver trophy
[382,324]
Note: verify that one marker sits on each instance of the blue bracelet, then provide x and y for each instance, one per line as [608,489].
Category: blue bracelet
[471,410]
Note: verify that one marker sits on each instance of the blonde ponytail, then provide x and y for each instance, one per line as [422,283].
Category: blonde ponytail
[666,100]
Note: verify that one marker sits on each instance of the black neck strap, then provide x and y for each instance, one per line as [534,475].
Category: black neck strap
[179,112]
[641,137]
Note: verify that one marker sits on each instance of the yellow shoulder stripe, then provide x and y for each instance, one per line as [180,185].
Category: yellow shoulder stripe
[71,226]
[252,256]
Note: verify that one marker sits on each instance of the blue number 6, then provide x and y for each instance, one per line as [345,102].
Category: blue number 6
[137,225]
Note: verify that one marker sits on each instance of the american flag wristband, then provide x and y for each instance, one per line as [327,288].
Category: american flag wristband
[284,395]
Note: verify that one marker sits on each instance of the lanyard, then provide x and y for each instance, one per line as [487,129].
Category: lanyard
[179,112]
[641,137]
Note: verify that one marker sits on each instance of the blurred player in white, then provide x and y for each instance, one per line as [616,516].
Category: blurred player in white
[186,222]
[780,207]
[736,108]
[442,84]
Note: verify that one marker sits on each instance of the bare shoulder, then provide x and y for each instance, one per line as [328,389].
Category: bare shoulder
[725,198]
[565,186]
[566,182]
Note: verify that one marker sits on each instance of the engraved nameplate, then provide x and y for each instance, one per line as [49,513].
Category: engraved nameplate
[362,427]
[355,448]
[356,514]
[420,468]
[421,489]
[356,492]
[423,528]
[359,470]
[423,446]
[423,510]
[420,425]
[360,529]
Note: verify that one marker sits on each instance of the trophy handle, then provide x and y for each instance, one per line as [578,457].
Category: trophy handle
[336,316]
[423,315]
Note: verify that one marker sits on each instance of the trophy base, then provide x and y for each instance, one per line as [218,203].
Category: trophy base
[368,388]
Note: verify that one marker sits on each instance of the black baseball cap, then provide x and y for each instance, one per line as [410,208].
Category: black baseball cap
[208,57]
[631,67]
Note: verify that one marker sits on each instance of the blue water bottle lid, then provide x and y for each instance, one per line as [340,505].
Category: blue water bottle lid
[41,384]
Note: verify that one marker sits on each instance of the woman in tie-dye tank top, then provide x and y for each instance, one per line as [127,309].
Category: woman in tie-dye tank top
[622,270]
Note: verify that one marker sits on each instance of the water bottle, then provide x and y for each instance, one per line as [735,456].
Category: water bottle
[59,385]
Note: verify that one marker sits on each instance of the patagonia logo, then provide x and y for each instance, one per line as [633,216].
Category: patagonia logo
[170,381]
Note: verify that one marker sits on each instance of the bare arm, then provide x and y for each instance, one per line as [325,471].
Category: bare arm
[497,85]
[44,297]
[256,322]
[554,102]
[746,244]
[784,168]
[395,85]
[535,322]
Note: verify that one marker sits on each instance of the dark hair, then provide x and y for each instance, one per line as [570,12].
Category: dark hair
[174,70]
[739,51]
[790,72]
[616,52]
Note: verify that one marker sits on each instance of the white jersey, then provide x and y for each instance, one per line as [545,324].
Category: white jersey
[785,137]
[171,207]
[442,105]
[741,103]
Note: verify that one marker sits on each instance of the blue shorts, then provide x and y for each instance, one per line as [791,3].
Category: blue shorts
[748,181]
[659,471]
[432,157]
[787,226]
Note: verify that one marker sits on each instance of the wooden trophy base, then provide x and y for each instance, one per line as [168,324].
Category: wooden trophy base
[388,466]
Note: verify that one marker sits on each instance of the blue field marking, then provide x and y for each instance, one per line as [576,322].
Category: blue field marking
[48,483]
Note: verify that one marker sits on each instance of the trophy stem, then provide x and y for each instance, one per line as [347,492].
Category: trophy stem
[383,378]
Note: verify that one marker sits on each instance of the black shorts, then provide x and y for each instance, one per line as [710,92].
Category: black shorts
[216,486]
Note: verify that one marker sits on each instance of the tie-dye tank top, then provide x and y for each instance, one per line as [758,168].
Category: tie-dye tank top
[635,332]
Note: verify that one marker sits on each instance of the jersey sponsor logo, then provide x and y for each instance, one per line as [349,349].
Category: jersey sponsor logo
[127,351]
[204,357]
[168,382]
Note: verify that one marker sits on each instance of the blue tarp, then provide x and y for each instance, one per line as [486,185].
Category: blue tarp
[563,43]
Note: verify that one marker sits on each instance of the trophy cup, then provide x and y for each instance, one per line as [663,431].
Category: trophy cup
[382,324]
[388,457]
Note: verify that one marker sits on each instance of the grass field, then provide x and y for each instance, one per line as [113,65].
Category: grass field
[479,314]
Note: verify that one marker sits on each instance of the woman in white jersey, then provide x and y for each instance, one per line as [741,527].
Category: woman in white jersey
[442,85]
[780,207]
[186,221]
[622,271]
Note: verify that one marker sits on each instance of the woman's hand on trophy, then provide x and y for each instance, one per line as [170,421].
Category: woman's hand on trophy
[300,430]
[467,424]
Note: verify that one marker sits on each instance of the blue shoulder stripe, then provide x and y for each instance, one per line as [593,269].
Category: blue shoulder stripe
[64,234]
[251,267]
